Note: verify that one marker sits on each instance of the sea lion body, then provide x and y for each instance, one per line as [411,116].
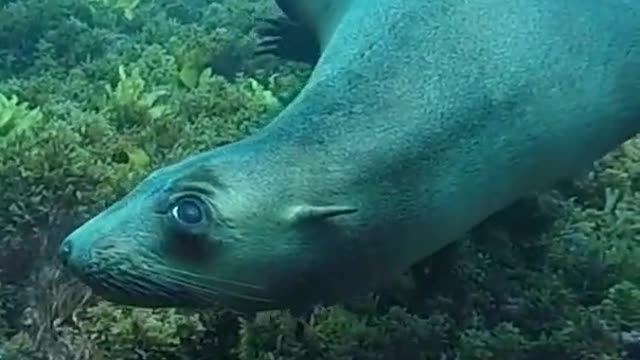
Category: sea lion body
[420,119]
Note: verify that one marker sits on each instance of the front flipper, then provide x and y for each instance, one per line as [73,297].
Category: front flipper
[305,31]
[288,40]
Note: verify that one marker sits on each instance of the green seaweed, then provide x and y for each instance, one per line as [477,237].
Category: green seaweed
[16,117]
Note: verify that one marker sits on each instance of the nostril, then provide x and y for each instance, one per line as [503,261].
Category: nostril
[65,252]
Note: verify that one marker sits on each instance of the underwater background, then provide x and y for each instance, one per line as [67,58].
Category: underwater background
[95,94]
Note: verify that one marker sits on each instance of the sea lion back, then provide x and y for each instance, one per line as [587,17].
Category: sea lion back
[464,106]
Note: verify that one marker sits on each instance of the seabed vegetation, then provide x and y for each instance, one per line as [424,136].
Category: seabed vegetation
[96,94]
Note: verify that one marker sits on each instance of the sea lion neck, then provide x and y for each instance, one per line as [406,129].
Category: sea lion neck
[305,144]
[324,114]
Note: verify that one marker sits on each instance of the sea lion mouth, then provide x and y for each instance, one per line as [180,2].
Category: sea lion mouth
[147,282]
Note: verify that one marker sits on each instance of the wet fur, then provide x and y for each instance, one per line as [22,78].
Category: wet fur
[421,118]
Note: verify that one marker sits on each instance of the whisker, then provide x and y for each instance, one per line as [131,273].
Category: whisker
[195,283]
[145,279]
[179,272]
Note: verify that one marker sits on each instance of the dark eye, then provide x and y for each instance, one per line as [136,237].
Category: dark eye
[189,211]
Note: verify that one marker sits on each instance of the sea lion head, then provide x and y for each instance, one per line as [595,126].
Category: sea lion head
[221,228]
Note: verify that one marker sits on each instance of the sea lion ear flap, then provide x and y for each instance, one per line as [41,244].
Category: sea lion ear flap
[305,213]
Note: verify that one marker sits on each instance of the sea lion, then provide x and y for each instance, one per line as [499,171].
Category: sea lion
[419,120]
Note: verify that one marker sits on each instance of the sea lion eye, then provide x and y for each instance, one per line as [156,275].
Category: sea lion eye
[188,239]
[189,211]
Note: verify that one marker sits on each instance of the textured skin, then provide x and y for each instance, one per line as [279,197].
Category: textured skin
[420,119]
